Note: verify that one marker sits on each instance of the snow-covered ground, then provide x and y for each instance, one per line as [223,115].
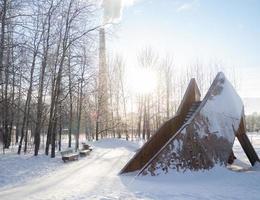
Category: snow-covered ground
[96,177]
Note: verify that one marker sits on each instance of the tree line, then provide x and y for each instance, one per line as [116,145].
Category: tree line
[253,122]
[49,84]
[46,50]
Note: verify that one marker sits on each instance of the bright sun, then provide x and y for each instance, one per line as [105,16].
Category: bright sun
[141,80]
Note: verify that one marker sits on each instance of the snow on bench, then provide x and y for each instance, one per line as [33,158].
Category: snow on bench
[69,155]
[84,152]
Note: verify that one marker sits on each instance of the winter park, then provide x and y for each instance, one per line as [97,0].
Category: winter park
[129,99]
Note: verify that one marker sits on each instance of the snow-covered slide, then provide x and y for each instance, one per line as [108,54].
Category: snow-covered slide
[203,140]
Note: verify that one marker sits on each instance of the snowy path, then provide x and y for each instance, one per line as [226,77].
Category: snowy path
[93,177]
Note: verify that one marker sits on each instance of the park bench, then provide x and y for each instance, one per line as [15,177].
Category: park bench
[69,155]
[86,147]
[84,152]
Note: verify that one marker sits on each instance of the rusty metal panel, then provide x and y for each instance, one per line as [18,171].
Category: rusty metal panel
[245,143]
[165,132]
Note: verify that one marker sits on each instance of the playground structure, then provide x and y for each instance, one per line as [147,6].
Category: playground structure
[200,135]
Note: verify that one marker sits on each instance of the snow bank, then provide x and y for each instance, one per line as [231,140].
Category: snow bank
[219,183]
[15,169]
[116,143]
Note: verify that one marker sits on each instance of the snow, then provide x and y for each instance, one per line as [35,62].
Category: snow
[16,169]
[218,183]
[96,177]
[224,108]
[257,166]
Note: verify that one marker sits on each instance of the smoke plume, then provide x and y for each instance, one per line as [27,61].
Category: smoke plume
[113,9]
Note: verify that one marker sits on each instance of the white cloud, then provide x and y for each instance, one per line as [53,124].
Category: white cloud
[188,6]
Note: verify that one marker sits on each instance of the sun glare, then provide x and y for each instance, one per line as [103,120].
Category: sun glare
[141,80]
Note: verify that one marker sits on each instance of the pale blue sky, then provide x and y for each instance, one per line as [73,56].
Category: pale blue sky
[212,30]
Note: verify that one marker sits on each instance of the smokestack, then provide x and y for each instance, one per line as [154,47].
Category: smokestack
[103,71]
[102,83]
[102,52]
